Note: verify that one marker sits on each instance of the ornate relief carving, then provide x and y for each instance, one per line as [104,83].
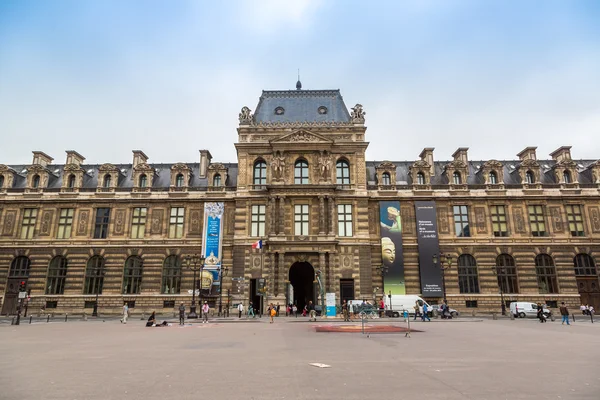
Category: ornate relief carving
[278,166]
[82,224]
[157,221]
[183,169]
[119,228]
[480,219]
[358,115]
[46,223]
[557,221]
[195,218]
[519,220]
[407,226]
[246,117]
[303,136]
[229,220]
[9,223]
[443,220]
[595,218]
[324,166]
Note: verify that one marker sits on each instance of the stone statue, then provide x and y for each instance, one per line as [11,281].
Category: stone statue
[324,165]
[44,180]
[357,114]
[278,165]
[245,115]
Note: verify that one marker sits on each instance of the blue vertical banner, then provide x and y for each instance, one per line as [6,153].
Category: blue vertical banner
[392,255]
[212,239]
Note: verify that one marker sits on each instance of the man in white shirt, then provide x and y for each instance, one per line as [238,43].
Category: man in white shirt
[205,309]
[240,310]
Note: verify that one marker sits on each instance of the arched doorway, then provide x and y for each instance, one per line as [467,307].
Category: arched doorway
[302,276]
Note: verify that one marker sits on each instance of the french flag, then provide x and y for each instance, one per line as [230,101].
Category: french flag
[257,245]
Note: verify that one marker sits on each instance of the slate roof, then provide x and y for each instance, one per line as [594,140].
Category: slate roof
[301,106]
[511,174]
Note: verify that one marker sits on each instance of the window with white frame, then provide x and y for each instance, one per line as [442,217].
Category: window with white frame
[344,219]
[176,222]
[257,225]
[301,219]
[65,223]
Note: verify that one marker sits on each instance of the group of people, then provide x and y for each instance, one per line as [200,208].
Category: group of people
[422,310]
[586,309]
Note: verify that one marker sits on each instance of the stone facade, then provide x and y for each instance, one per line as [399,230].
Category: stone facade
[291,178]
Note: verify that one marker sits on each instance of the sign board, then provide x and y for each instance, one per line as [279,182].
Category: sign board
[428,243]
[330,304]
[392,254]
[22,295]
[261,283]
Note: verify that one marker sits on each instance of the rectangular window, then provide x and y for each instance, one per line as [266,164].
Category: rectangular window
[461,221]
[102,219]
[344,219]
[536,220]
[471,303]
[575,217]
[65,222]
[138,223]
[499,224]
[257,226]
[28,225]
[176,222]
[301,219]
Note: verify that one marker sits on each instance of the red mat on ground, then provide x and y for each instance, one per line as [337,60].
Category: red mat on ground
[368,329]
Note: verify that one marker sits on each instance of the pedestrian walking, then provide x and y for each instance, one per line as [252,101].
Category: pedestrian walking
[240,310]
[583,308]
[345,311]
[295,310]
[540,313]
[272,312]
[251,310]
[416,308]
[205,309]
[564,312]
[181,314]
[311,311]
[125,313]
[425,313]
[277,309]
[381,308]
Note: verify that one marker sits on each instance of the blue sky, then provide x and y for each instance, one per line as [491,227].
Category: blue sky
[169,77]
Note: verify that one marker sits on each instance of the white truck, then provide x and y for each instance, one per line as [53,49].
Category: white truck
[398,303]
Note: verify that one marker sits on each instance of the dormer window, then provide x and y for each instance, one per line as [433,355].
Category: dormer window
[143,181]
[322,110]
[107,181]
[217,180]
[179,180]
[456,178]
[71,183]
[567,177]
[385,179]
[493,178]
[279,111]
[35,182]
[529,177]
[420,178]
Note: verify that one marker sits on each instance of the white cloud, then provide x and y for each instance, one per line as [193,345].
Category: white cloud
[268,16]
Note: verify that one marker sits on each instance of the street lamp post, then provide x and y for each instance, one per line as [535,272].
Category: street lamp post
[445,262]
[383,270]
[500,270]
[95,310]
[223,273]
[191,262]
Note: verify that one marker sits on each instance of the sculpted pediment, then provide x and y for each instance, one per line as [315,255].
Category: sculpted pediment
[301,136]
[386,165]
[108,168]
[217,167]
[492,164]
[143,167]
[5,168]
[565,164]
[456,164]
[73,168]
[180,167]
[530,163]
[421,164]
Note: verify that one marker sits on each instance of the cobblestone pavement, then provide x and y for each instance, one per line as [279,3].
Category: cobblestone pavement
[480,360]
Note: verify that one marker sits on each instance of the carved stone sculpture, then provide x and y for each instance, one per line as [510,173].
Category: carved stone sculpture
[245,115]
[278,165]
[324,165]
[357,114]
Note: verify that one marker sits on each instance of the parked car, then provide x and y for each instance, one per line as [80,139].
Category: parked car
[521,309]
[438,308]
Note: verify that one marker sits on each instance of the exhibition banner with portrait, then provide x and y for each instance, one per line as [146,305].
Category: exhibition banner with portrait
[212,240]
[391,246]
[429,245]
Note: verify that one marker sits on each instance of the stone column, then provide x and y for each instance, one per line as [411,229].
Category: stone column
[281,221]
[273,276]
[282,269]
[322,218]
[332,216]
[272,215]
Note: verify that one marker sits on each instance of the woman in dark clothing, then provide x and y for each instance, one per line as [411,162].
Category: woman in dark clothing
[540,313]
[152,321]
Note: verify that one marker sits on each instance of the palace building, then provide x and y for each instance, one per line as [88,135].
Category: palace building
[301,213]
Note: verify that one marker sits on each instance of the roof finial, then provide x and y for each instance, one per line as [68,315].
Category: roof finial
[298,84]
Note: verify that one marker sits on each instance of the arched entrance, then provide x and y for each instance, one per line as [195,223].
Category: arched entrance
[302,276]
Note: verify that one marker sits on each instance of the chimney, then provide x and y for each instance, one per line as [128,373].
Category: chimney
[205,159]
[41,158]
[561,154]
[427,155]
[74,157]
[461,155]
[139,158]
[527,154]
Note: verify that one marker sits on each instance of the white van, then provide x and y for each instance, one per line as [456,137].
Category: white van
[401,302]
[525,309]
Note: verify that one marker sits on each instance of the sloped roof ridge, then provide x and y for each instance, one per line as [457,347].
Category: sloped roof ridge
[300,93]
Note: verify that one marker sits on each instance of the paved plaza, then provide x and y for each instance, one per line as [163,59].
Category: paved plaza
[458,359]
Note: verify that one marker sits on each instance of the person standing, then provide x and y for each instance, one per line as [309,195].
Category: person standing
[425,313]
[251,310]
[181,314]
[381,308]
[540,313]
[240,310]
[295,310]
[416,308]
[564,312]
[272,312]
[311,311]
[583,308]
[125,313]
[205,309]
[345,311]
[278,307]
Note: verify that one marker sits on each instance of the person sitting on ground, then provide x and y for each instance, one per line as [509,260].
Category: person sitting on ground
[152,321]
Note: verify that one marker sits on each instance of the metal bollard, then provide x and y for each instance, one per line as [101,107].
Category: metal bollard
[512,316]
[143,317]
[84,316]
[494,316]
[573,317]
[12,322]
[30,318]
[592,317]
[66,317]
[48,319]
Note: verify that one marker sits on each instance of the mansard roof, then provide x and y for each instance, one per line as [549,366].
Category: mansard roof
[510,168]
[301,106]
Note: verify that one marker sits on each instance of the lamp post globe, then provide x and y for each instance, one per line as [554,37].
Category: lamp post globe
[191,262]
